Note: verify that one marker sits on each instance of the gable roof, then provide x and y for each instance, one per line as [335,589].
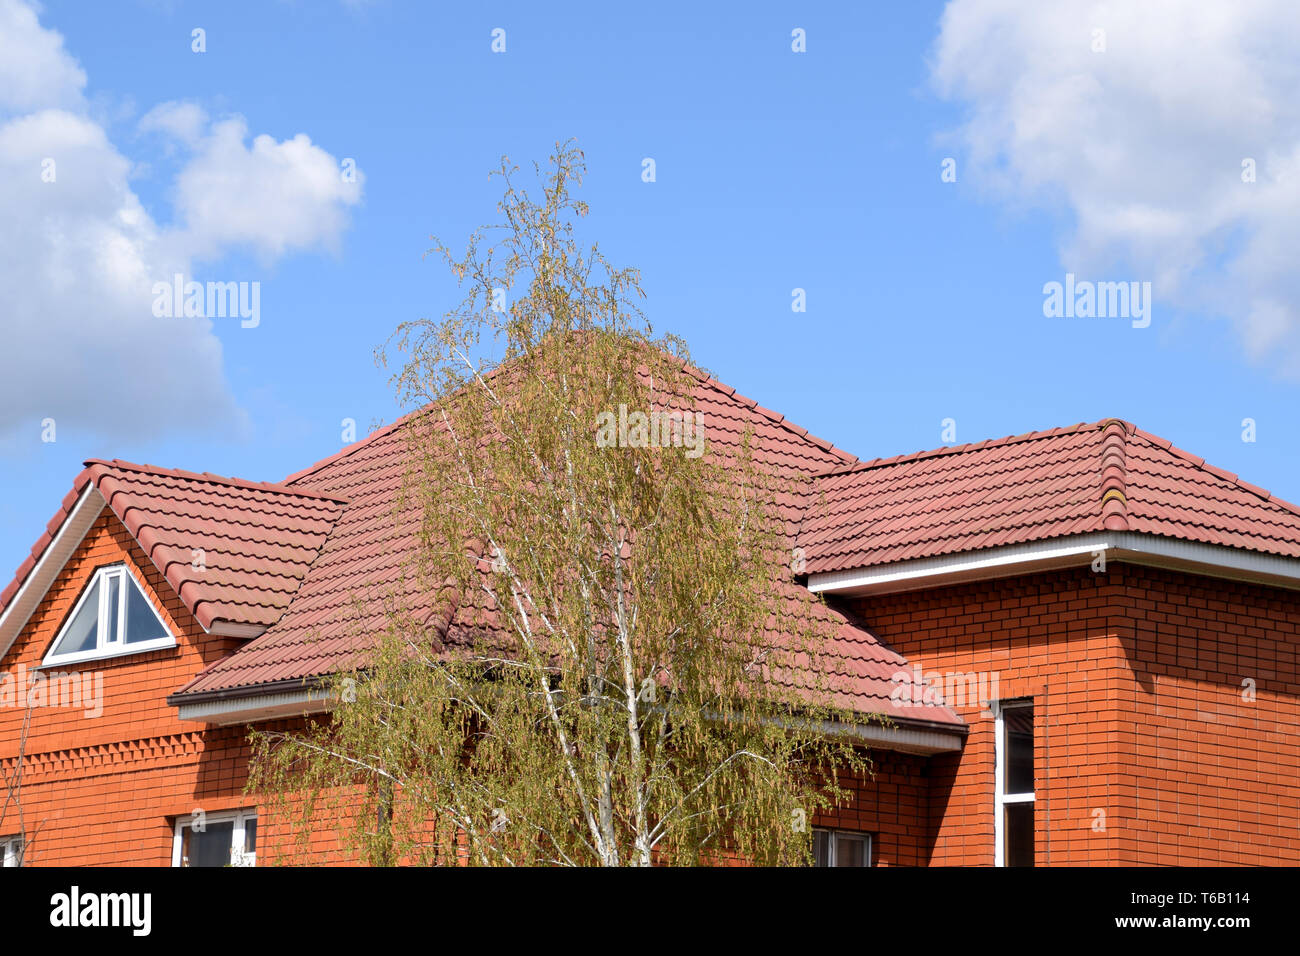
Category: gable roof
[234,551]
[1104,476]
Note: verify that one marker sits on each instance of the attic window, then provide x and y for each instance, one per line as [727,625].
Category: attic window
[111,617]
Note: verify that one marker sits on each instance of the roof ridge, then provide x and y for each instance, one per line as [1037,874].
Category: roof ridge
[699,374]
[1114,475]
[777,419]
[207,476]
[972,446]
[1200,464]
[346,450]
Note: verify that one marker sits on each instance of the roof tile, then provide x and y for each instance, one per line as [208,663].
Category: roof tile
[256,540]
[371,543]
[310,559]
[1084,478]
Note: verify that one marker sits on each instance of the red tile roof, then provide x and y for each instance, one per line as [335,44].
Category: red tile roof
[256,540]
[1108,475]
[368,550]
[340,602]
[312,558]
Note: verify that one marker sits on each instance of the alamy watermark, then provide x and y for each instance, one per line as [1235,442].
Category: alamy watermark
[658,429]
[914,688]
[1101,300]
[82,691]
[133,911]
[212,300]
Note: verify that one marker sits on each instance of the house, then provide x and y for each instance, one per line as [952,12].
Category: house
[1085,638]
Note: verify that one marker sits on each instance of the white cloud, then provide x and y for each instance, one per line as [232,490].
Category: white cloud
[77,260]
[184,122]
[1142,145]
[273,197]
[35,70]
[79,253]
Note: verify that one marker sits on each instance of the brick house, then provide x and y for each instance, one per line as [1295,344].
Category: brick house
[1085,638]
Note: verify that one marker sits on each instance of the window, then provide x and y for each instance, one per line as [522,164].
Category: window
[1013,811]
[216,839]
[11,851]
[841,848]
[111,617]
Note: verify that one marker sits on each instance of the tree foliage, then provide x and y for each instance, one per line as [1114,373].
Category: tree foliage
[620,670]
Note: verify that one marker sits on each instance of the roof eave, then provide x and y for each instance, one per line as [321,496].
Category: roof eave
[253,704]
[920,737]
[1130,547]
[304,696]
[225,628]
[90,504]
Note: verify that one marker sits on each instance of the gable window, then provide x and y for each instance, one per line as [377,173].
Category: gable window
[216,839]
[111,617]
[11,851]
[1013,779]
[841,848]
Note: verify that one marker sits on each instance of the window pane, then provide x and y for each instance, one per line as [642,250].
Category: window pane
[81,633]
[821,848]
[1018,832]
[250,835]
[850,850]
[1018,769]
[209,848]
[114,582]
[141,624]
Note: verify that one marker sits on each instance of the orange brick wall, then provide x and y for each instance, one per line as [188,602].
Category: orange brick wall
[1210,777]
[1144,750]
[892,805]
[105,789]
[1136,674]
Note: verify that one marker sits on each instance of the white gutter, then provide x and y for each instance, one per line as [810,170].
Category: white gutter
[251,709]
[908,740]
[1074,551]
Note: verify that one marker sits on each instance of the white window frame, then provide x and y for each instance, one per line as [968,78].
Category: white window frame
[240,818]
[1000,797]
[110,636]
[830,843]
[11,851]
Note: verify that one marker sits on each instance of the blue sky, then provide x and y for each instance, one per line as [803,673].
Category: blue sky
[774,170]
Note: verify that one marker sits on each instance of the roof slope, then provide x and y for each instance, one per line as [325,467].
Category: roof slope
[234,551]
[310,560]
[1108,475]
[340,600]
[369,547]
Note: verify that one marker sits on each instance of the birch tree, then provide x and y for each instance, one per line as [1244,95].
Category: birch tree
[619,669]
[14,821]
